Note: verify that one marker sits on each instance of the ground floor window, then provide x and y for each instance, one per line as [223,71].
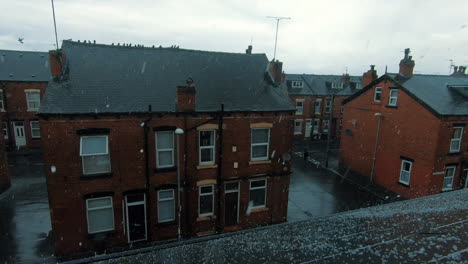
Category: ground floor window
[257,196]
[205,200]
[5,130]
[100,214]
[166,206]
[448,178]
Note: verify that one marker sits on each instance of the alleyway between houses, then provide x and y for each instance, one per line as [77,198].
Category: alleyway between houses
[25,222]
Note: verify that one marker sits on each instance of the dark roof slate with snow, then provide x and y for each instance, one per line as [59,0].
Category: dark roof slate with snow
[117,79]
[432,229]
[24,66]
[320,85]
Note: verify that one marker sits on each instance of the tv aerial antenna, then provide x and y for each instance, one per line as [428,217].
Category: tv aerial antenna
[277,25]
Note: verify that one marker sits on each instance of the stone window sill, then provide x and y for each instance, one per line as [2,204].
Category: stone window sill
[258,210]
[404,184]
[207,166]
[206,218]
[256,162]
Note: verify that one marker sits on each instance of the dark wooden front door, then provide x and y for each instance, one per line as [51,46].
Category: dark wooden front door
[136,217]
[231,204]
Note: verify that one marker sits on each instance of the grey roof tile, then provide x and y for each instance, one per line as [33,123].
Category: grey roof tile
[116,79]
[23,66]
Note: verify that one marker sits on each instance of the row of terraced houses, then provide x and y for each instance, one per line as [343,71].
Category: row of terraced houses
[149,144]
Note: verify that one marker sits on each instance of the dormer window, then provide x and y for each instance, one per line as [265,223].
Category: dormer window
[336,85]
[297,84]
[358,86]
[378,94]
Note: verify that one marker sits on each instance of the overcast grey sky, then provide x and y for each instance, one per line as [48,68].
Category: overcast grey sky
[323,37]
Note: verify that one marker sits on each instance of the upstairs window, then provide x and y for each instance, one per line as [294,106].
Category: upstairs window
[164,149]
[448,178]
[35,129]
[378,94]
[257,196]
[336,85]
[299,107]
[298,127]
[33,99]
[328,104]
[297,84]
[405,171]
[100,214]
[393,97]
[2,107]
[5,130]
[205,200]
[455,142]
[207,147]
[94,152]
[317,106]
[260,143]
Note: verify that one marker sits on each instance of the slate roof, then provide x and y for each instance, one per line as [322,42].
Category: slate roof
[117,79]
[441,94]
[320,85]
[30,66]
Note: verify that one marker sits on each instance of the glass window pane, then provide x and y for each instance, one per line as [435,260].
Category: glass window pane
[93,203]
[404,177]
[165,158]
[455,145]
[166,211]
[393,93]
[33,96]
[206,155]
[406,166]
[260,183]
[165,140]
[166,194]
[93,145]
[457,133]
[259,152]
[206,189]
[206,204]
[257,197]
[96,164]
[206,138]
[231,186]
[137,197]
[260,135]
[100,220]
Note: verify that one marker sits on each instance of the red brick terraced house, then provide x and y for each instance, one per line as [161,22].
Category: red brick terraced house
[4,175]
[313,96]
[23,79]
[113,117]
[406,131]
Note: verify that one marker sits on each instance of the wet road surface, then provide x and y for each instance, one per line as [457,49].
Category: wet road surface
[25,220]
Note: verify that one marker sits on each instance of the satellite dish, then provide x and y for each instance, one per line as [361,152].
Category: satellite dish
[286,156]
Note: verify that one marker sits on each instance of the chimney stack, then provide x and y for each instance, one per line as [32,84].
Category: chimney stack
[56,62]
[249,50]
[186,97]
[369,76]
[459,71]
[276,70]
[345,79]
[407,64]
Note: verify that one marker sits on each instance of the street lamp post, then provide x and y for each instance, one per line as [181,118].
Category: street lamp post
[178,132]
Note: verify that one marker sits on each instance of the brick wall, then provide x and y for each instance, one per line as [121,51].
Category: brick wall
[17,110]
[66,187]
[407,131]
[4,174]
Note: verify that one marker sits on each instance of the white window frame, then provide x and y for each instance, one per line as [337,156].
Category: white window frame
[5,130]
[358,86]
[392,100]
[328,104]
[252,145]
[378,91]
[205,194]
[164,200]
[299,109]
[317,104]
[257,188]
[32,129]
[337,85]
[28,100]
[94,154]
[164,150]
[2,103]
[200,147]
[325,125]
[100,208]
[459,140]
[409,172]
[296,126]
[297,84]
[451,176]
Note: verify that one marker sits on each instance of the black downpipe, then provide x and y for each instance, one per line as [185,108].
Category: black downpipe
[7,115]
[147,174]
[220,169]
[185,185]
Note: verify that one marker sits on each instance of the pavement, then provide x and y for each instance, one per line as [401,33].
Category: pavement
[25,219]
[431,229]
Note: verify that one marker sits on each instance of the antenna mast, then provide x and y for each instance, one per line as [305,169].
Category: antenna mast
[55,25]
[277,25]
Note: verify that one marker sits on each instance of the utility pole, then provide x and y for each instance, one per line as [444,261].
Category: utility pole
[277,25]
